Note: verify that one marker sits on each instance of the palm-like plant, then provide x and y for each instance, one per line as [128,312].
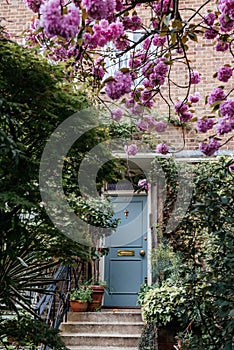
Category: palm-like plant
[22,275]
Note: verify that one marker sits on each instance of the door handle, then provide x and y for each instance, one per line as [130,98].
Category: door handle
[142,252]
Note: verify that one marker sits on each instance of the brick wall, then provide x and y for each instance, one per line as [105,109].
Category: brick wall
[16,17]
[202,57]
[166,338]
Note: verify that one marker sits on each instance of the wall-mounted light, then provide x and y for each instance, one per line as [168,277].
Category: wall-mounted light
[126,212]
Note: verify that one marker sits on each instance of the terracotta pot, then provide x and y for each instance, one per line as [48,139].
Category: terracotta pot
[78,306]
[97,296]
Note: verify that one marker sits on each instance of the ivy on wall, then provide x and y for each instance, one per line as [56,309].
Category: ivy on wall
[204,240]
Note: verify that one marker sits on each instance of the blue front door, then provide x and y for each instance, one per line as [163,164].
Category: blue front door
[126,263]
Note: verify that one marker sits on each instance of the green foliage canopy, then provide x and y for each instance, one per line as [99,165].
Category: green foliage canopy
[35,97]
[203,294]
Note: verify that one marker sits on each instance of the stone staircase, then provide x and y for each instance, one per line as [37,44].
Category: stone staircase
[110,329]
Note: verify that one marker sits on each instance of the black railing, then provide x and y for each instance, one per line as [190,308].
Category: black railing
[53,306]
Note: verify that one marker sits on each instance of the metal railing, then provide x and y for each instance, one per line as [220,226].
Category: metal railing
[53,306]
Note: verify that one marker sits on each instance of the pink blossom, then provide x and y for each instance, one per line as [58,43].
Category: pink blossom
[226,25]
[216,95]
[121,43]
[231,168]
[58,53]
[131,150]
[98,71]
[134,63]
[115,30]
[209,148]
[129,102]
[143,184]
[209,18]
[133,75]
[33,5]
[194,98]
[119,5]
[147,83]
[194,77]
[203,125]
[136,109]
[227,8]
[146,44]
[155,23]
[34,25]
[179,50]
[225,125]
[160,126]
[133,106]
[226,108]
[221,46]
[119,86]
[159,40]
[117,115]
[90,41]
[142,125]
[156,79]
[181,107]
[163,6]
[148,103]
[160,67]
[162,148]
[224,73]
[99,9]
[55,23]
[185,117]
[150,120]
[146,95]
[147,69]
[103,33]
[210,33]
[132,23]
[157,73]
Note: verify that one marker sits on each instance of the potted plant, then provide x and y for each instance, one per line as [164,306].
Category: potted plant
[79,298]
[98,290]
[97,286]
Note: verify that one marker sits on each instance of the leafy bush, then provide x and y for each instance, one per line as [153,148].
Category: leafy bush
[166,263]
[202,298]
[164,304]
[35,99]
[143,290]
[148,339]
[206,239]
[25,331]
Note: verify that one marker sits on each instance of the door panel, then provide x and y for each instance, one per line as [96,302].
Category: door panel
[125,267]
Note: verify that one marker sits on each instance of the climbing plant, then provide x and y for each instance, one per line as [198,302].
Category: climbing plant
[204,239]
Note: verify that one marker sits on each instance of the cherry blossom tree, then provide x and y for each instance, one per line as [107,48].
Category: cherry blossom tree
[131,65]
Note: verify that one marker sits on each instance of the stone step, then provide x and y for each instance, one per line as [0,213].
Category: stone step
[102,327]
[99,348]
[100,340]
[104,316]
[121,309]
